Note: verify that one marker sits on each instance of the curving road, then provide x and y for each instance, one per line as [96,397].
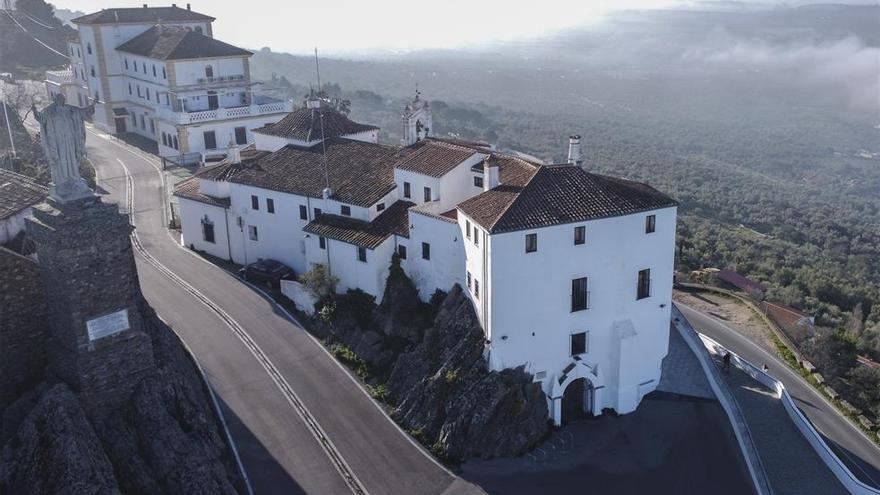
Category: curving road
[858,452]
[301,421]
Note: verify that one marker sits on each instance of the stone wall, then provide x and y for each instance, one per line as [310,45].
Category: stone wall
[23,327]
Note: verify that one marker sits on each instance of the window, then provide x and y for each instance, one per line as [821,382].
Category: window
[129,88]
[406,192]
[380,207]
[467,228]
[164,139]
[164,74]
[476,236]
[401,251]
[144,67]
[152,126]
[468,280]
[362,255]
[154,70]
[578,343]
[579,294]
[650,223]
[270,205]
[210,140]
[126,64]
[531,243]
[176,146]
[644,284]
[252,232]
[209,71]
[303,212]
[317,212]
[89,48]
[143,122]
[255,202]
[580,235]
[97,96]
[92,70]
[476,289]
[241,135]
[199,29]
[426,251]
[345,210]
[478,181]
[207,230]
[148,93]
[139,91]
[322,242]
[427,195]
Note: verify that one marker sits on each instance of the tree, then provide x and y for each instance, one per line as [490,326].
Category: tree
[319,282]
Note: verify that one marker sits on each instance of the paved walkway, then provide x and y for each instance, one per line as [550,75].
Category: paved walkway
[792,465]
[682,373]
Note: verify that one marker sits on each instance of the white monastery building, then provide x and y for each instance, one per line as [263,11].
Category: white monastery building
[569,272]
[160,73]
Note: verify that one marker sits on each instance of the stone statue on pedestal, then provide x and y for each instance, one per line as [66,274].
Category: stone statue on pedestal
[63,136]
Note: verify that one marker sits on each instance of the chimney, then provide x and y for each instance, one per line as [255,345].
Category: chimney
[145,5]
[233,152]
[491,178]
[188,7]
[574,150]
[326,193]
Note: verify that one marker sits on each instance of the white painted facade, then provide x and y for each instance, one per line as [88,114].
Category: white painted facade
[522,299]
[176,103]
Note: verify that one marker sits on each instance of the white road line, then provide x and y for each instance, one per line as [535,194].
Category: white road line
[293,399]
[791,373]
[289,316]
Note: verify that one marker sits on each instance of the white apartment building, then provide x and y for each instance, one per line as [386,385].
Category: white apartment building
[569,272]
[160,73]
[70,81]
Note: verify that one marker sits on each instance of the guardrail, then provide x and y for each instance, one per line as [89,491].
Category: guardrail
[840,470]
[728,402]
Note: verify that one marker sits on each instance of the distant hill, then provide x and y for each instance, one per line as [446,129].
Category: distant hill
[20,52]
[66,15]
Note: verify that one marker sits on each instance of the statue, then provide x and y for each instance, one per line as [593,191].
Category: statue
[63,136]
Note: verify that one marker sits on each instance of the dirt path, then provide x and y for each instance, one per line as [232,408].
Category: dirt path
[732,312]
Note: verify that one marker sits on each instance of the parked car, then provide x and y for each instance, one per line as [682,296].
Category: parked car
[267,271]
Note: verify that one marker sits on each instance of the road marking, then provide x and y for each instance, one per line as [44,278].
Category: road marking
[785,368]
[323,440]
[109,138]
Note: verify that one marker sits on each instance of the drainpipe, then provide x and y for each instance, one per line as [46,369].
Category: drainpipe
[228,240]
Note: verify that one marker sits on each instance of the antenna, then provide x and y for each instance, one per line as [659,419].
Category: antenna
[327,190]
[318,71]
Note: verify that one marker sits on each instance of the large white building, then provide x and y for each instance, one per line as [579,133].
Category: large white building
[160,73]
[569,272]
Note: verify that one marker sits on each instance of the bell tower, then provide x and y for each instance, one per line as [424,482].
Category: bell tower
[417,122]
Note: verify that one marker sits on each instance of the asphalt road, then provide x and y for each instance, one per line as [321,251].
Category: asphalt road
[859,454]
[292,407]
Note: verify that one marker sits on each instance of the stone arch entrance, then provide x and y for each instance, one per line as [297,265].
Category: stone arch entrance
[578,400]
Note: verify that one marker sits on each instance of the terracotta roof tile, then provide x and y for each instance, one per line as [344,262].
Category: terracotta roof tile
[552,195]
[433,158]
[141,15]
[177,43]
[359,173]
[394,220]
[18,192]
[189,189]
[304,124]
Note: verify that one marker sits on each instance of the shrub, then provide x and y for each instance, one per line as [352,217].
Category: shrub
[319,282]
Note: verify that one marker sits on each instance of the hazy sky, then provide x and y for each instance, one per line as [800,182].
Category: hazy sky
[353,26]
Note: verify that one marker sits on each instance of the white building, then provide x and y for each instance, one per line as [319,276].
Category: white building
[158,72]
[70,81]
[18,195]
[569,272]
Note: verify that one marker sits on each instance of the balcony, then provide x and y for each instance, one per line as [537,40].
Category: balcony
[60,76]
[208,80]
[184,118]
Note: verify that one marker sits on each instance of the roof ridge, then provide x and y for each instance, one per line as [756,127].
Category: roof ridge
[518,196]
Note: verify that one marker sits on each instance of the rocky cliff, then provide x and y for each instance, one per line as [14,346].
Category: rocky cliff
[430,361]
[165,439]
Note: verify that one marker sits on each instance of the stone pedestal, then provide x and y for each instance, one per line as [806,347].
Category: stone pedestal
[97,345]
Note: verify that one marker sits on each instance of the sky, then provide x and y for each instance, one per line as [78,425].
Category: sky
[357,26]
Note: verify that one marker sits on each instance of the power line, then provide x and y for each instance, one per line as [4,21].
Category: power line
[34,37]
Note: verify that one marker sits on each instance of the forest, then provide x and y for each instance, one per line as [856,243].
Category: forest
[764,125]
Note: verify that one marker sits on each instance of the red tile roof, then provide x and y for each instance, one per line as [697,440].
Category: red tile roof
[394,220]
[304,124]
[18,192]
[189,189]
[433,158]
[178,43]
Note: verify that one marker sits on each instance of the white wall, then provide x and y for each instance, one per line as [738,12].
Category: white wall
[12,225]
[531,294]
[417,184]
[191,215]
[190,71]
[446,266]
[342,261]
[224,130]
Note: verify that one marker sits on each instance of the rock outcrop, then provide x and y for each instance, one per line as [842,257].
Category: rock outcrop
[434,371]
[165,438]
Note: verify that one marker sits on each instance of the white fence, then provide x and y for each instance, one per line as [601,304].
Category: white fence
[803,424]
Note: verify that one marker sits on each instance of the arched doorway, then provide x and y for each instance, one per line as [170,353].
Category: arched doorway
[577,400]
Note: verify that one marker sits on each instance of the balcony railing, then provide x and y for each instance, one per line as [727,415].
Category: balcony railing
[236,77]
[60,76]
[224,113]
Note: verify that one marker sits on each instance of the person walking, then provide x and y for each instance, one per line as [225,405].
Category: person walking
[726,360]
